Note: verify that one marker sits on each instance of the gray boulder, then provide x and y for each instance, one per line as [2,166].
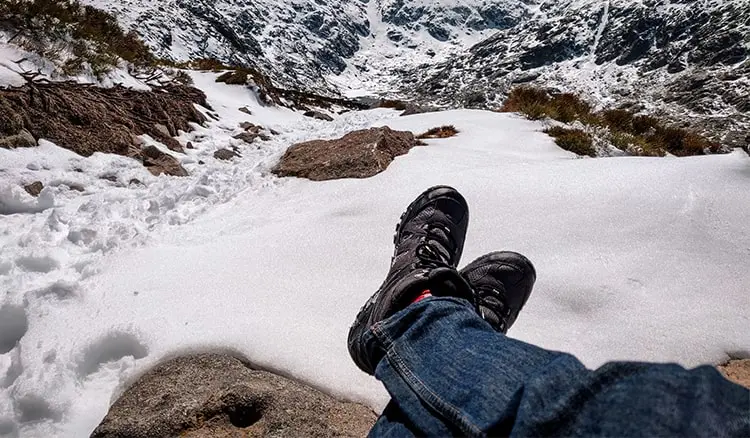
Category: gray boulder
[217,395]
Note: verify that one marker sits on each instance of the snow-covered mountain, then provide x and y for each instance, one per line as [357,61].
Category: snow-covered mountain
[683,58]
[688,59]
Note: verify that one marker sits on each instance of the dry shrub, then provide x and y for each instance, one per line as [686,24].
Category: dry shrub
[440,132]
[537,103]
[573,140]
[527,100]
[618,120]
[51,27]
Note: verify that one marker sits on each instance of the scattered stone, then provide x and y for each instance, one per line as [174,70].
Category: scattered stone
[34,189]
[110,178]
[418,109]
[247,125]
[162,130]
[158,162]
[76,187]
[225,154]
[359,154]
[246,110]
[189,145]
[737,371]
[201,162]
[264,137]
[217,395]
[275,132]
[318,115]
[136,182]
[23,139]
[247,137]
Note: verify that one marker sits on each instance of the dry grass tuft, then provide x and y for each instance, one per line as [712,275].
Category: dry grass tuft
[636,134]
[573,140]
[440,132]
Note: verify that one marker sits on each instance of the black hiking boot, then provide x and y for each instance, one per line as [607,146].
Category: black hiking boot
[429,240]
[502,282]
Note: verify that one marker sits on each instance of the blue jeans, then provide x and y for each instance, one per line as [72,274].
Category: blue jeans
[449,373]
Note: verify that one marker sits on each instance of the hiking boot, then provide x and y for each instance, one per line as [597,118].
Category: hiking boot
[429,240]
[502,282]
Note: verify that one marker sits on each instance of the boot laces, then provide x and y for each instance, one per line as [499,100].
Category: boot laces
[432,251]
[498,305]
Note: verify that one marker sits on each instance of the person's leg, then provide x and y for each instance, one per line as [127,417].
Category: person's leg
[449,373]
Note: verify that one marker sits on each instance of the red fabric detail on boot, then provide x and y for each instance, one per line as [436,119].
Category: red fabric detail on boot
[422,296]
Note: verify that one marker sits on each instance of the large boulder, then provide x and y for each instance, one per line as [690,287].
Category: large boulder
[358,154]
[217,395]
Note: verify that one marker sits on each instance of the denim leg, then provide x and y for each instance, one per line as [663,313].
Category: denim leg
[449,373]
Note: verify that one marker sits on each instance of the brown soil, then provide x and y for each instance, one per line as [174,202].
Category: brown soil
[87,119]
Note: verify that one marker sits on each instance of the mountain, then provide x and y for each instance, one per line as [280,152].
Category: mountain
[684,60]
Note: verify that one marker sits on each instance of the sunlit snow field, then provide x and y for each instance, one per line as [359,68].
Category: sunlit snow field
[637,258]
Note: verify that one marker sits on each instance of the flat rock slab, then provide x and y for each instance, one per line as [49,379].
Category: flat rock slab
[217,395]
[358,154]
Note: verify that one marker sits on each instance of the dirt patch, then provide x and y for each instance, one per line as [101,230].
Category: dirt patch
[216,395]
[737,371]
[88,119]
[358,154]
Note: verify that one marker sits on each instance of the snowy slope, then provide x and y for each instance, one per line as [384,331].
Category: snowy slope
[114,279]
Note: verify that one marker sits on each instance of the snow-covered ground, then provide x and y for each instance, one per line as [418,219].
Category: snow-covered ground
[638,258]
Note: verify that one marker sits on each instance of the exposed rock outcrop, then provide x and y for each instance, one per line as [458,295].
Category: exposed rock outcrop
[359,154]
[216,395]
[88,119]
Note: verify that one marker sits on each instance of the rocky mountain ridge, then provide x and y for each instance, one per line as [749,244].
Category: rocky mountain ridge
[685,59]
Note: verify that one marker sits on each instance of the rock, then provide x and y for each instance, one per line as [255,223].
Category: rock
[162,130]
[737,371]
[158,162]
[23,139]
[247,125]
[34,188]
[201,162]
[418,109]
[225,154]
[246,110]
[275,132]
[247,137]
[359,154]
[318,115]
[189,145]
[216,395]
[136,182]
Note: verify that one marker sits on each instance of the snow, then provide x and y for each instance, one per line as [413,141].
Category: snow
[638,258]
